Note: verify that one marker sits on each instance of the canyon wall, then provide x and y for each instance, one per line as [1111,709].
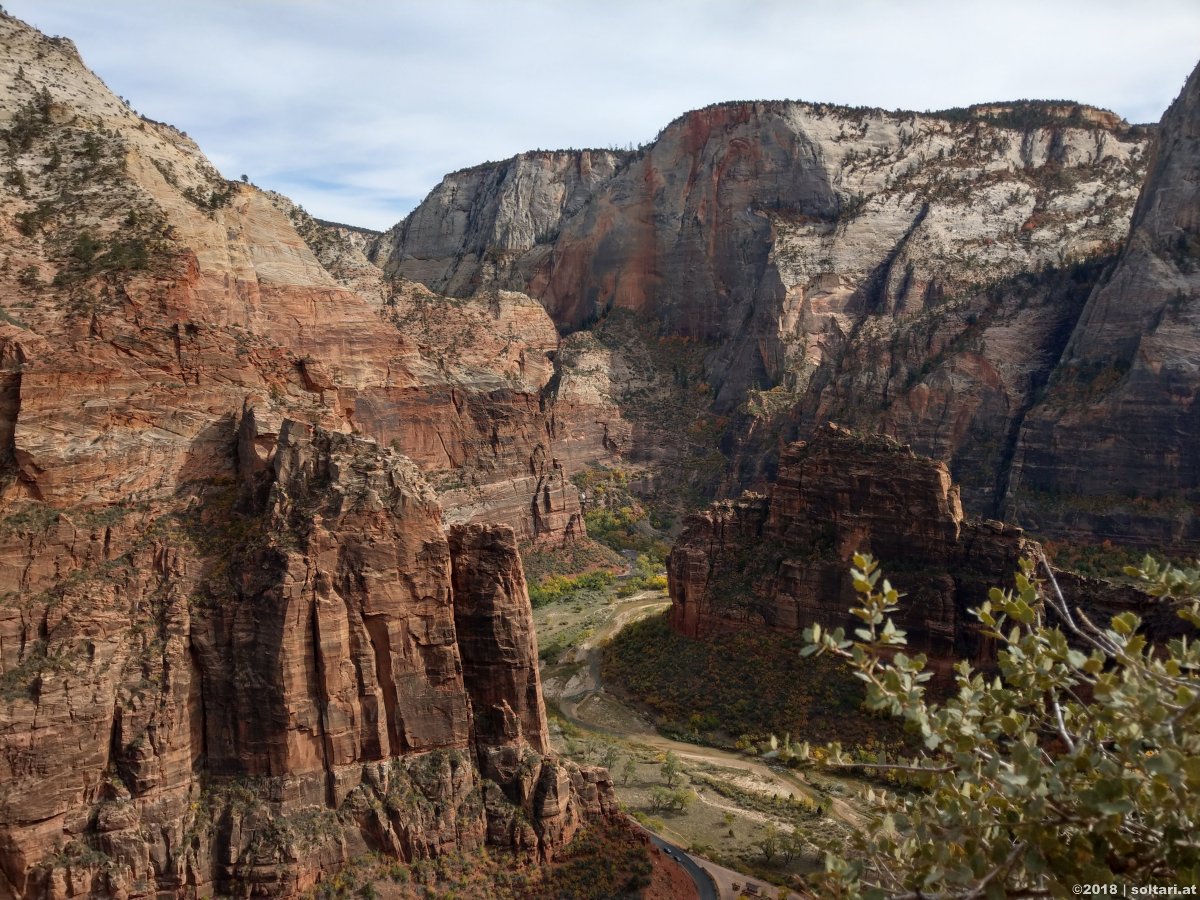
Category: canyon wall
[1112,449]
[782,559]
[146,301]
[777,229]
[489,225]
[297,668]
[946,278]
[240,641]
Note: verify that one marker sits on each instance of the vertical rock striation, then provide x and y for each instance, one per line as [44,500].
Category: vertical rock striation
[297,669]
[782,560]
[489,225]
[946,278]
[775,230]
[146,304]
[1111,452]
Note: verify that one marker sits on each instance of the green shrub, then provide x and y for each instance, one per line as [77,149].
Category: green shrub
[1079,764]
[554,588]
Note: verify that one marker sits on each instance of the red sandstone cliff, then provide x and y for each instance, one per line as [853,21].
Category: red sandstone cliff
[783,559]
[295,668]
[144,304]
[237,647]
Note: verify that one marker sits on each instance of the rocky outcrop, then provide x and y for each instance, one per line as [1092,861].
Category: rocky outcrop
[1111,451]
[231,656]
[783,559]
[299,668]
[488,226]
[496,637]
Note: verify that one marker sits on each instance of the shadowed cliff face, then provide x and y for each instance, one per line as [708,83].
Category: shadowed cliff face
[776,229]
[783,559]
[1113,448]
[950,279]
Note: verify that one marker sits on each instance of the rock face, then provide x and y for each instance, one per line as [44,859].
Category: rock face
[776,229]
[1112,449]
[298,669]
[143,308]
[496,637]
[237,645]
[951,279]
[783,559]
[489,225]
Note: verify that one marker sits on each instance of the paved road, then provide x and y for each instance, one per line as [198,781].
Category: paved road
[704,883]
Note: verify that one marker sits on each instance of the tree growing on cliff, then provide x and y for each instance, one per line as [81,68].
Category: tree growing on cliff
[1079,764]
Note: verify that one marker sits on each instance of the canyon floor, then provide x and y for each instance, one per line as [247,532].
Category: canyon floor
[727,825]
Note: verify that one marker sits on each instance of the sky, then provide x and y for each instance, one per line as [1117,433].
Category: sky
[357,108]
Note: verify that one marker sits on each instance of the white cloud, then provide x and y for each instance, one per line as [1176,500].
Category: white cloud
[357,109]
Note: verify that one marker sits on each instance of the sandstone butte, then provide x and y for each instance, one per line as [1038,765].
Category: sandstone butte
[782,559]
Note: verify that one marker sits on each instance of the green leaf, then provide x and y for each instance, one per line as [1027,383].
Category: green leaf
[1125,624]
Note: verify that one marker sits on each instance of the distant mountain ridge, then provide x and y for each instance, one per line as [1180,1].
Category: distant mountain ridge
[919,274]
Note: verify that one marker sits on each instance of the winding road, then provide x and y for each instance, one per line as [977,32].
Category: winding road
[705,885]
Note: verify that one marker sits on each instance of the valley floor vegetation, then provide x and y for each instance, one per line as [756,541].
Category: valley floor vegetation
[606,860]
[742,690]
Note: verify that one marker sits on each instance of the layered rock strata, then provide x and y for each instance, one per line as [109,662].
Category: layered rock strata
[951,279]
[775,230]
[1112,450]
[298,668]
[783,559]
[146,303]
[231,652]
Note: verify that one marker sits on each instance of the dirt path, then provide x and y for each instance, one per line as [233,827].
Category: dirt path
[585,703]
